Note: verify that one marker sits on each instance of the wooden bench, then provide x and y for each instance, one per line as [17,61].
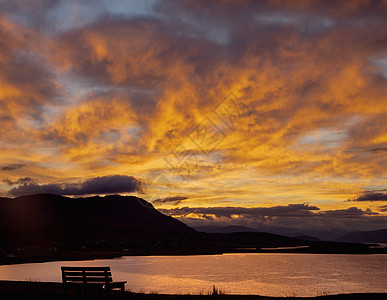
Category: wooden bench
[90,277]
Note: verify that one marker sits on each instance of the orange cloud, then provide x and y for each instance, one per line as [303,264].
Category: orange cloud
[153,99]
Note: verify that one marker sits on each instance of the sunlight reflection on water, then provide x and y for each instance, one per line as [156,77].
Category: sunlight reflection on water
[264,274]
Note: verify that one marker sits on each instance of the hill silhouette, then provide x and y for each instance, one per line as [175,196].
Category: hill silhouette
[225,229]
[374,236]
[48,219]
[307,238]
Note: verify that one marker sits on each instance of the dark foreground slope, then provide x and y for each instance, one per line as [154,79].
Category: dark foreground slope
[45,290]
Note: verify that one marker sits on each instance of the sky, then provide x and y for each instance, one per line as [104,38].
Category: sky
[253,113]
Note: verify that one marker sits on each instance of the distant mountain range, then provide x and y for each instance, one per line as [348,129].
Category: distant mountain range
[126,225]
[295,233]
[307,238]
[225,229]
[235,229]
[375,236]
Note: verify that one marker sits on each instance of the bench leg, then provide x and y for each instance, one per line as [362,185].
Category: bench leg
[64,289]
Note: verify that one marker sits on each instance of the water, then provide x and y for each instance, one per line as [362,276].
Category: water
[266,274]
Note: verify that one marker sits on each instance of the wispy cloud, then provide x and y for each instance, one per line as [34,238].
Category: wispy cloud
[174,200]
[12,167]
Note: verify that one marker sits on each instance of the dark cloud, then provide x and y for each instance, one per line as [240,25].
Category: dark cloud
[95,186]
[291,210]
[377,150]
[383,208]
[45,15]
[351,212]
[12,167]
[29,12]
[169,200]
[225,8]
[370,196]
[24,180]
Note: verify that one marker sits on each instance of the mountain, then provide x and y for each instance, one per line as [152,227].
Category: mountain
[306,234]
[226,229]
[48,219]
[375,236]
[307,238]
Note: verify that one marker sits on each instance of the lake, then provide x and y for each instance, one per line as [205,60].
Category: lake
[269,274]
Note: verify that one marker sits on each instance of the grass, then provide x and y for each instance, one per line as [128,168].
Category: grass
[214,291]
[47,291]
[322,293]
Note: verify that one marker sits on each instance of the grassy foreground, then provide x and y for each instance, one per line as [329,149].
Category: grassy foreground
[48,290]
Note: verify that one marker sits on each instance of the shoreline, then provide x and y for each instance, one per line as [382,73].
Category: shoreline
[42,256]
[54,290]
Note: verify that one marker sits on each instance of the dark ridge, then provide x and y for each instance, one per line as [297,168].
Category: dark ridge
[48,218]
[307,238]
[374,236]
[226,229]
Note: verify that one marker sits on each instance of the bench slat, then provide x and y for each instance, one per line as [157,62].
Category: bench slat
[91,284]
[87,273]
[85,268]
[89,279]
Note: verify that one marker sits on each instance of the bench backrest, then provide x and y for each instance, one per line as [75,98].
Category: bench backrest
[86,275]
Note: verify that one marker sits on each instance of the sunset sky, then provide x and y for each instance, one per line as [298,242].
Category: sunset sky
[218,112]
